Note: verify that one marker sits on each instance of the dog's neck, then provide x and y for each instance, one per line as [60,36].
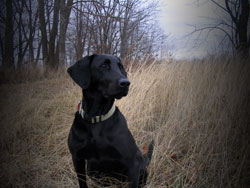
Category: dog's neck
[95,104]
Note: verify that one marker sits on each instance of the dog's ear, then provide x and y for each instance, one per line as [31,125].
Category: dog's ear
[80,72]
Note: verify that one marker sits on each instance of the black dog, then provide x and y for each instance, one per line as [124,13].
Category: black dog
[99,135]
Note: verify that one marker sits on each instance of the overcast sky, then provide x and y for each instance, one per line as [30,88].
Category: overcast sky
[176,16]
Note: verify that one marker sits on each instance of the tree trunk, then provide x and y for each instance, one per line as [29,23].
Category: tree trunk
[64,20]
[81,33]
[242,26]
[20,42]
[44,40]
[2,48]
[124,31]
[32,30]
[53,62]
[9,34]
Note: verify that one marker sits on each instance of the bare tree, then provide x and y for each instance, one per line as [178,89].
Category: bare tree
[32,11]
[25,19]
[134,24]
[54,47]
[81,37]
[103,26]
[236,28]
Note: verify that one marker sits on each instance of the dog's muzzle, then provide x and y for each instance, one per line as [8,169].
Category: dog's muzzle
[123,87]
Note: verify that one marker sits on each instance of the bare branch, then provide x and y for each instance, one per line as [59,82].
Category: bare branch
[230,12]
[220,6]
[214,27]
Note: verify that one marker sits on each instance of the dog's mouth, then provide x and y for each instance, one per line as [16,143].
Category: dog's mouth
[118,95]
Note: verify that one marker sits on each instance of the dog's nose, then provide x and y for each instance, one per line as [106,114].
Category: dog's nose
[124,82]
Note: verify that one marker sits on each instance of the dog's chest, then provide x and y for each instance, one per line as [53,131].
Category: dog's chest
[98,143]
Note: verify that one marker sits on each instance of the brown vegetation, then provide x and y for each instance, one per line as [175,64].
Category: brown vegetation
[197,113]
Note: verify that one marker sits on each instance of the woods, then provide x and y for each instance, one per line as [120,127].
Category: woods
[54,33]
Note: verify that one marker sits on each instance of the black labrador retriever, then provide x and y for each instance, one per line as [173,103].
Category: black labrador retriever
[99,136]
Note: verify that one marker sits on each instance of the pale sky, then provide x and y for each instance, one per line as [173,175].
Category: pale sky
[176,16]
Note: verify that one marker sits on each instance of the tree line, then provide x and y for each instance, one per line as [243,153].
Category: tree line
[54,33]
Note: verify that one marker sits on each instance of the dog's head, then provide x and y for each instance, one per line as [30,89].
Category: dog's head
[101,72]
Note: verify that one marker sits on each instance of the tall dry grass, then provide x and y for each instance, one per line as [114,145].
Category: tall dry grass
[197,112]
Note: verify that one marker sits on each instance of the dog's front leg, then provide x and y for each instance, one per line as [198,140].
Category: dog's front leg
[79,165]
[133,175]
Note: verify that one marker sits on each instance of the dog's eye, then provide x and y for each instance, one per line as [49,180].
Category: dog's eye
[105,65]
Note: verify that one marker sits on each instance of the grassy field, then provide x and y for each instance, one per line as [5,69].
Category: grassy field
[197,112]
